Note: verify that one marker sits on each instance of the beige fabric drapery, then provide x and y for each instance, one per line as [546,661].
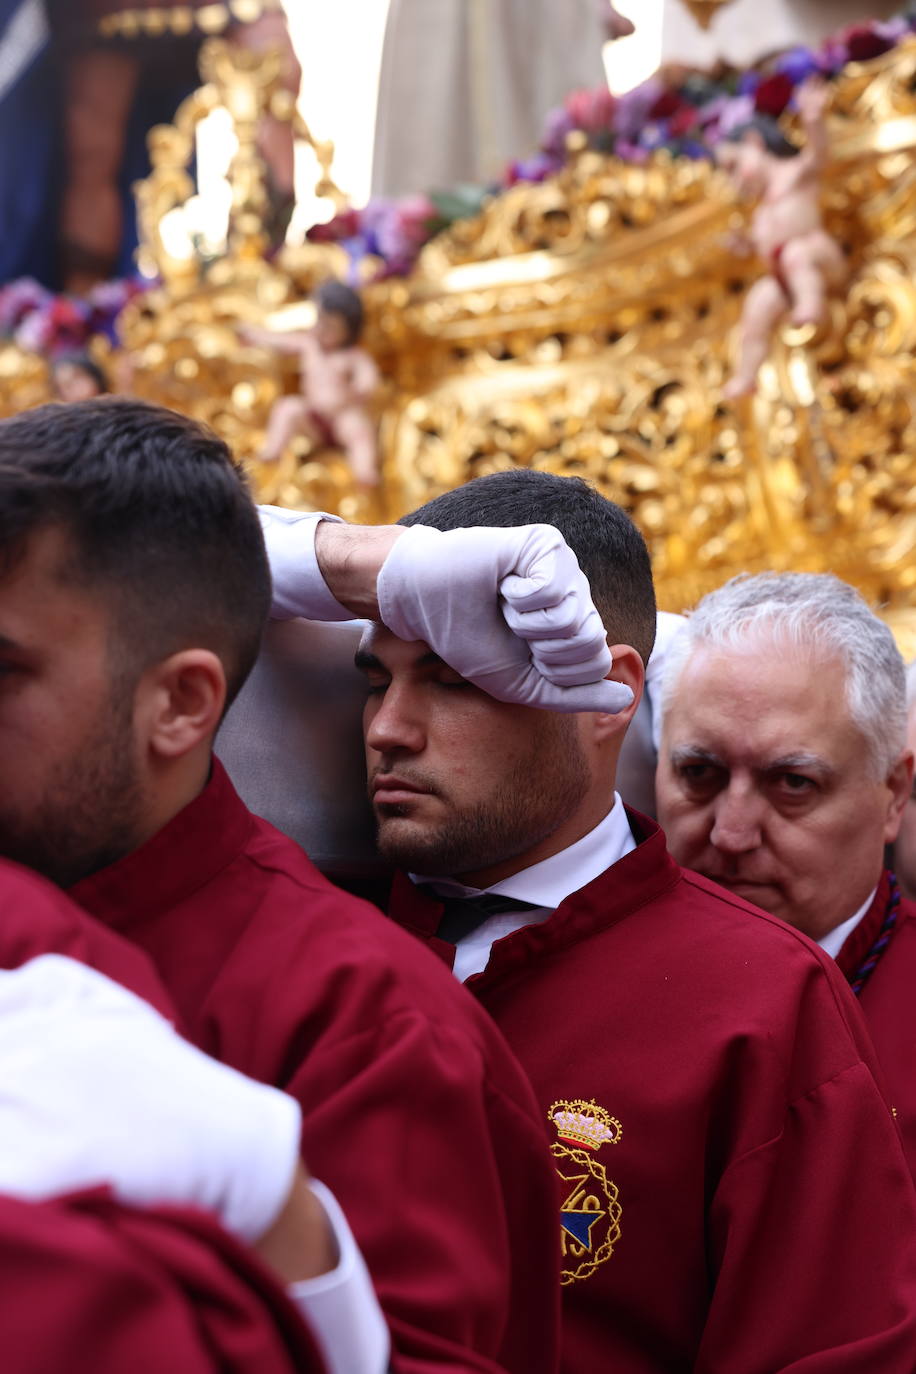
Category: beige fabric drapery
[748,29]
[466,84]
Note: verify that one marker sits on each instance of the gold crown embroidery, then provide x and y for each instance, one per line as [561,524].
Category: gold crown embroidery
[585,1123]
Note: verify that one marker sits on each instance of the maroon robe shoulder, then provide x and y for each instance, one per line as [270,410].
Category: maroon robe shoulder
[92,1287]
[888,1001]
[415,1113]
[36,918]
[734,1197]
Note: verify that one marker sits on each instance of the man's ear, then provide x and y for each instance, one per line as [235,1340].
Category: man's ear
[900,786]
[627,667]
[180,702]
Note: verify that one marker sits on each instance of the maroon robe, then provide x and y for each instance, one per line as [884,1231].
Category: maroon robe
[91,1287]
[414,1112]
[36,918]
[735,1199]
[888,1001]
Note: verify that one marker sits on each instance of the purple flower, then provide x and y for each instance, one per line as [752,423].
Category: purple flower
[33,334]
[653,136]
[737,111]
[536,168]
[633,109]
[631,152]
[18,299]
[559,123]
[798,65]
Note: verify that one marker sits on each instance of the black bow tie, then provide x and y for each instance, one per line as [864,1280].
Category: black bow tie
[462,915]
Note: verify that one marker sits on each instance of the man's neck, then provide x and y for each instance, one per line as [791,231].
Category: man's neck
[175,787]
[564,837]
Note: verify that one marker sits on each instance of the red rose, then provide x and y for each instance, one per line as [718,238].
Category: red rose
[344,225]
[685,120]
[773,95]
[863,43]
[667,104]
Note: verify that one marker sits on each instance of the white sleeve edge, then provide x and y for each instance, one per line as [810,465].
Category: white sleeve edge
[340,1307]
[298,586]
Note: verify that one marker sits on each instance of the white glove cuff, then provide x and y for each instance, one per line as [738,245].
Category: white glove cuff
[298,586]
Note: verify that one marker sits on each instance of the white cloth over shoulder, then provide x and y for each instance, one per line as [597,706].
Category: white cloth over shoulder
[96,1088]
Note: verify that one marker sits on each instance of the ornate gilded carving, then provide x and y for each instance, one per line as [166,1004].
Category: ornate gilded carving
[585,325]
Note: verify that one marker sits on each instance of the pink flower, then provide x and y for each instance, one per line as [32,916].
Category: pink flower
[591,110]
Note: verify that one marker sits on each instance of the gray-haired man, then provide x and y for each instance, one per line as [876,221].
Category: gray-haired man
[783,774]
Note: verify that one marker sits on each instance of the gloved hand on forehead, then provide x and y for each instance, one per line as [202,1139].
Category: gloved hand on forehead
[96,1088]
[508,609]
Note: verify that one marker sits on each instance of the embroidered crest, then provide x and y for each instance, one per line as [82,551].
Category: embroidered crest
[589,1208]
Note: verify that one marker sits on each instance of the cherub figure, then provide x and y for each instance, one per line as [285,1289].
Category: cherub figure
[337,381]
[786,231]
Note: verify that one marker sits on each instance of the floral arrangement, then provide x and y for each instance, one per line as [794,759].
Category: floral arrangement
[685,112]
[41,322]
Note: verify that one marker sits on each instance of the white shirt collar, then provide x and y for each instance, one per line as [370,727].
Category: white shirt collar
[834,940]
[544,884]
[547,883]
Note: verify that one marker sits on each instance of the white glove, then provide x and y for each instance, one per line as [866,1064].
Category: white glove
[97,1088]
[508,609]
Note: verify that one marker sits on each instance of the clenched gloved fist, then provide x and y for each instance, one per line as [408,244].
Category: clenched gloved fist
[97,1088]
[508,609]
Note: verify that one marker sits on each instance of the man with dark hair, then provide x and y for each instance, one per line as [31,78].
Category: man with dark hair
[133,588]
[717,1127]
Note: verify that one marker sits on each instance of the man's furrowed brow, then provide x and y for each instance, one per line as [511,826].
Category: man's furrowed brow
[801,762]
[692,753]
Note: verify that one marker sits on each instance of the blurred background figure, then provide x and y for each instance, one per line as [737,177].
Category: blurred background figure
[77,377]
[81,83]
[743,32]
[484,75]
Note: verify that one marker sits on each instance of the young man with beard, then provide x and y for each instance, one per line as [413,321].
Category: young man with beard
[784,773]
[734,1196]
[133,589]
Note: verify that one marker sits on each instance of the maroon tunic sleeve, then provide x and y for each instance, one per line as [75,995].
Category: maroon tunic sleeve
[817,1221]
[446,1186]
[37,918]
[91,1287]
